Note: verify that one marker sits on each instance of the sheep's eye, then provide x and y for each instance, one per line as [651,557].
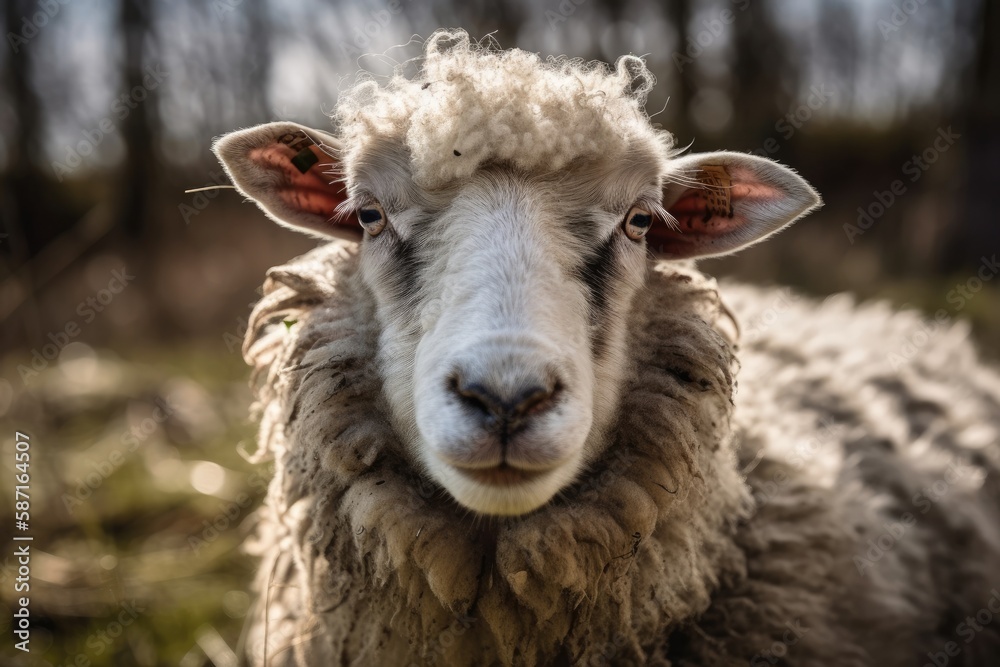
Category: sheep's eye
[373,219]
[637,223]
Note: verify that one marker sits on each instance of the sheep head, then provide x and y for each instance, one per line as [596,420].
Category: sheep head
[506,209]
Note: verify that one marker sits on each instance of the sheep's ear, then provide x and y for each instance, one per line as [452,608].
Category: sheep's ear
[293,174]
[726,201]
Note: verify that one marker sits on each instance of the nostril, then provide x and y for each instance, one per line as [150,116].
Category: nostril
[531,401]
[501,411]
[475,395]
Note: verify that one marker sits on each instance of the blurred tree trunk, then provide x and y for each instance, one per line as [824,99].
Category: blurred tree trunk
[138,169]
[764,76]
[679,13]
[980,103]
[259,61]
[837,34]
[25,220]
[26,230]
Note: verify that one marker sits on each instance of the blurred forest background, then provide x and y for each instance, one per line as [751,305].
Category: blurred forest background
[123,299]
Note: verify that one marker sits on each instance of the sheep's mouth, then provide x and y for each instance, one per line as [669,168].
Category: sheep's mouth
[501,475]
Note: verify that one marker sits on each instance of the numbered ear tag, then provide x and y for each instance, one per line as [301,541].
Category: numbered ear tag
[305,158]
[718,191]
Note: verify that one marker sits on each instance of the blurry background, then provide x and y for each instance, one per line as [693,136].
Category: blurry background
[123,299]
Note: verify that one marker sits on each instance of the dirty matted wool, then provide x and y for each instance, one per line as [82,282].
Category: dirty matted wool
[357,539]
[834,506]
[721,526]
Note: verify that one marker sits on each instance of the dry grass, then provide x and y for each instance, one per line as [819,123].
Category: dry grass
[123,527]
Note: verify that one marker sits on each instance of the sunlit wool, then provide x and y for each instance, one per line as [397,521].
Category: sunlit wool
[662,554]
[835,508]
[470,105]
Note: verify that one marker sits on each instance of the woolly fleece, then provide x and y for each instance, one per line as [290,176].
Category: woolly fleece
[471,104]
[662,554]
[719,527]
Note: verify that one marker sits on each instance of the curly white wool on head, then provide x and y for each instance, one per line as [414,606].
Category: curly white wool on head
[472,104]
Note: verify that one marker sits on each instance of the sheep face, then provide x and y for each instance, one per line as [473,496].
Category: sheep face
[507,207]
[503,304]
[503,300]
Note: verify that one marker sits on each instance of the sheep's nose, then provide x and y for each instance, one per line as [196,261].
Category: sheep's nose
[505,412]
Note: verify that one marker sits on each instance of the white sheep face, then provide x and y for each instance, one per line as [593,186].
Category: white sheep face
[503,305]
[504,298]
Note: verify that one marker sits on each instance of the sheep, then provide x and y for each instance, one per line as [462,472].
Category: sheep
[501,400]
